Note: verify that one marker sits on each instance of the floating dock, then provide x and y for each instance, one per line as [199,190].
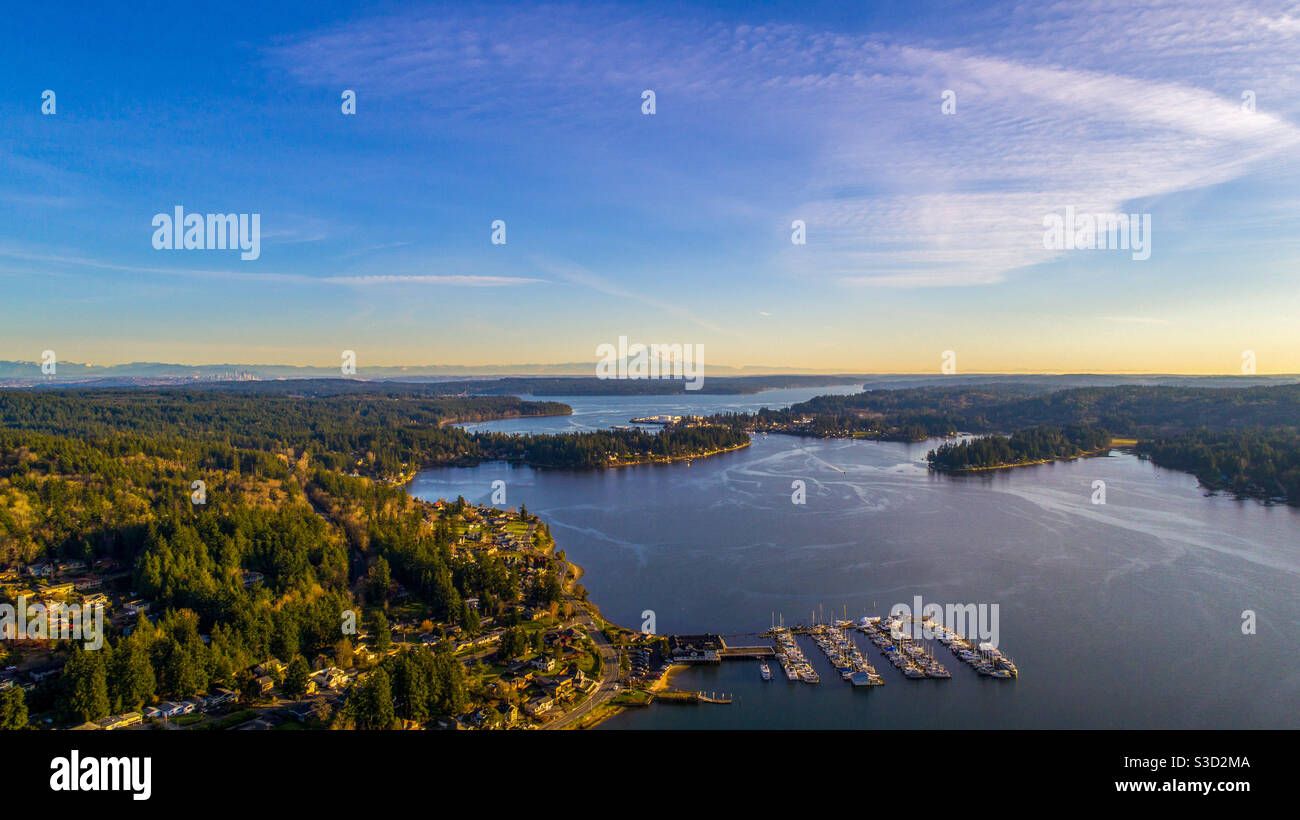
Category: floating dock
[987,660]
[845,656]
[903,653]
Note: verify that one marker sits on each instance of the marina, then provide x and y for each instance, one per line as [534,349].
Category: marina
[906,655]
[844,654]
[903,642]
[987,660]
[791,657]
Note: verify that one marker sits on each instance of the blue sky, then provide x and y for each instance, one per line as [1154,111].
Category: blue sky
[924,230]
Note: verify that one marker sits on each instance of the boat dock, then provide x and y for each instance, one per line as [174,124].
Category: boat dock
[844,654]
[732,652]
[906,655]
[692,696]
[791,657]
[987,660]
[893,636]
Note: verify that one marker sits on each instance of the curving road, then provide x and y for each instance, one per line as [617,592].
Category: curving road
[608,672]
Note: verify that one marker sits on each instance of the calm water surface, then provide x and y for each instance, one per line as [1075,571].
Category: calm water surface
[1120,615]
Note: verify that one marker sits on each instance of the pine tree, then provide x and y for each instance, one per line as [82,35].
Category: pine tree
[13,708]
[87,686]
[295,677]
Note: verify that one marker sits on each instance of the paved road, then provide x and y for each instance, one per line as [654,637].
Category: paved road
[609,671]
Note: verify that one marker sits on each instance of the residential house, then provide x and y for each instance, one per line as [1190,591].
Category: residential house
[539,705]
[509,713]
[544,663]
[330,678]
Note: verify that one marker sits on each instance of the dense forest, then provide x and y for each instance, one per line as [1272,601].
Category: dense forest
[1259,464]
[385,435]
[317,539]
[295,525]
[1028,446]
[1130,411]
[601,447]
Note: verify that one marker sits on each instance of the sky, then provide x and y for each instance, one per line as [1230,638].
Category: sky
[921,145]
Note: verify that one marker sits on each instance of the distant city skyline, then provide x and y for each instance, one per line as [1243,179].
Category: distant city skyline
[920,151]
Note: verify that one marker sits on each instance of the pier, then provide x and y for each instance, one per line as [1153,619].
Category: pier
[892,636]
[692,696]
[733,652]
[906,655]
[844,655]
[988,661]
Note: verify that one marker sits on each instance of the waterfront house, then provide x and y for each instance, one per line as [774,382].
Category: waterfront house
[695,648]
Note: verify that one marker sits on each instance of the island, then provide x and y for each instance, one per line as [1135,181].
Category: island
[1034,445]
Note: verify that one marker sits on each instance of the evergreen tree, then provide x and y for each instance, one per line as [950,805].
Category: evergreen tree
[87,685]
[371,702]
[13,708]
[295,678]
[380,633]
[132,681]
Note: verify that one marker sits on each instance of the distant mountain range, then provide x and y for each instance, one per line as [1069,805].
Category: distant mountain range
[10,370]
[573,378]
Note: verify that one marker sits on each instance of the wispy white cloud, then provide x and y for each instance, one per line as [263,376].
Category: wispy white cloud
[894,192]
[46,262]
[457,281]
[577,275]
